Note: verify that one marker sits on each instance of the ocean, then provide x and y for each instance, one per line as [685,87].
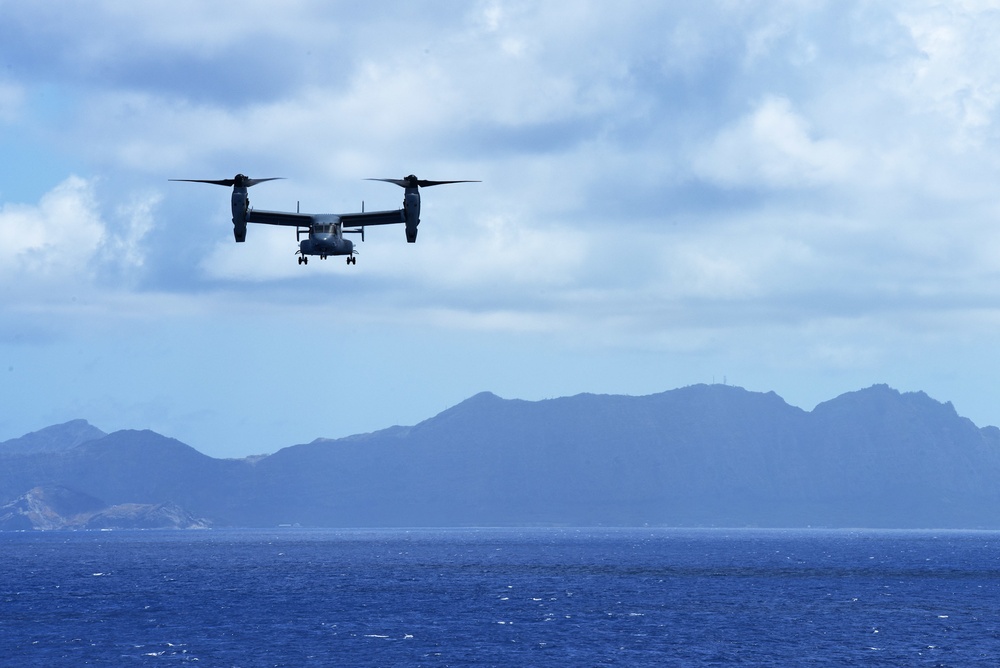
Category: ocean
[500,597]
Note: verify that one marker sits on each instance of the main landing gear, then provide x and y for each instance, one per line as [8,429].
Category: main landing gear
[351,259]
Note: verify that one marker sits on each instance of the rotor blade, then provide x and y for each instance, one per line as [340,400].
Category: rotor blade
[398,182]
[253,182]
[238,180]
[425,184]
[220,182]
[412,181]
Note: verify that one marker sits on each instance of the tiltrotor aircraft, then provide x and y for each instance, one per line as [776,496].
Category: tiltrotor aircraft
[325,230]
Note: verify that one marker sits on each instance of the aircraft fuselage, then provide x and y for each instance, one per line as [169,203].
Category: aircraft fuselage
[325,239]
[326,243]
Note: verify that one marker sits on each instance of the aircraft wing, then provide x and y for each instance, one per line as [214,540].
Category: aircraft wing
[285,218]
[307,219]
[373,218]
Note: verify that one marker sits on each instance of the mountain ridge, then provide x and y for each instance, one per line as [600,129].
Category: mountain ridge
[703,455]
[54,438]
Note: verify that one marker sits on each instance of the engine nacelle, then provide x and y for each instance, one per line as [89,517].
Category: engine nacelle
[241,205]
[411,213]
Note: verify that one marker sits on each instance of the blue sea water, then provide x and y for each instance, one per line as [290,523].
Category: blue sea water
[498,597]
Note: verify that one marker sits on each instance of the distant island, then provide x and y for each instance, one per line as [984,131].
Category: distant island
[699,456]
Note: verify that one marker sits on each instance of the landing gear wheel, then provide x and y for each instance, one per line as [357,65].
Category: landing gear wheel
[300,259]
[351,259]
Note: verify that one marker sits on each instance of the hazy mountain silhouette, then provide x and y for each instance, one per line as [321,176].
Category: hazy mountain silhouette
[62,508]
[698,456]
[52,439]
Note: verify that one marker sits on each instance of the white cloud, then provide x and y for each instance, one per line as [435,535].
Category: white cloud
[124,245]
[54,241]
[64,247]
[267,254]
[493,251]
[956,74]
[773,147]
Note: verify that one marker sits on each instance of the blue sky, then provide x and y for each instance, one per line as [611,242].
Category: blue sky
[790,196]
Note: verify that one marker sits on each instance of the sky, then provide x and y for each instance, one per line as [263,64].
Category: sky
[790,196]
